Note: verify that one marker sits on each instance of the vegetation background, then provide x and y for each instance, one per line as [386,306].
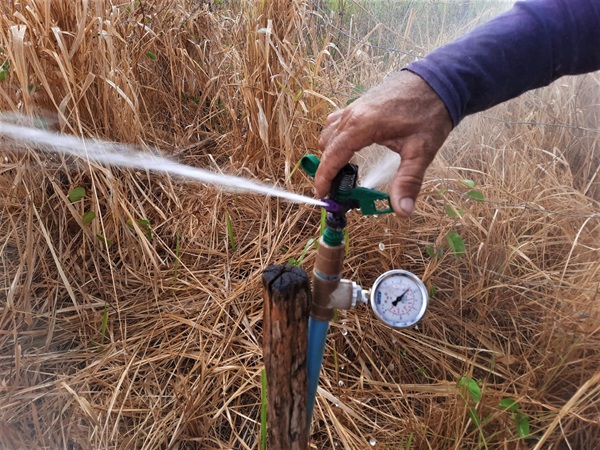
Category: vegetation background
[131,309]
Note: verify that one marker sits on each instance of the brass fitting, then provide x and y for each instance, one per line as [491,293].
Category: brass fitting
[326,278]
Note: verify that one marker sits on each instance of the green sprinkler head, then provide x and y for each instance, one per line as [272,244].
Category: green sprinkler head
[345,195]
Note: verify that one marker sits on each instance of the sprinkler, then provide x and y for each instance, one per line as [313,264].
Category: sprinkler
[398,298]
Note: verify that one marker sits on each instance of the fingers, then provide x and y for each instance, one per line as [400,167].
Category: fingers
[336,155]
[338,144]
[407,183]
[333,117]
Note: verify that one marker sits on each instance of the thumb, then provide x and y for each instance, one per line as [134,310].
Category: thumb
[407,183]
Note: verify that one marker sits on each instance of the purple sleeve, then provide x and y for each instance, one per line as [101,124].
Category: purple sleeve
[529,46]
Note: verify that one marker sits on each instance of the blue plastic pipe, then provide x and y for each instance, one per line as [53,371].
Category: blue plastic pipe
[317,335]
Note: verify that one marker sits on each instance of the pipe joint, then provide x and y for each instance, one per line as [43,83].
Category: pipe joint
[326,278]
[330,291]
[347,295]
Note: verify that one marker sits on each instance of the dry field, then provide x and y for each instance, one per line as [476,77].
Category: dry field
[140,328]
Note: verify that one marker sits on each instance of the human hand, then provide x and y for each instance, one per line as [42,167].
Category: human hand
[405,115]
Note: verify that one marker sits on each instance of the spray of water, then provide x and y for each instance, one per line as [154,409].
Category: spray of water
[379,166]
[110,153]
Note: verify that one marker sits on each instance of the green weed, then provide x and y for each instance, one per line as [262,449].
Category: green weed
[311,243]
[230,234]
[263,410]
[88,217]
[77,194]
[520,419]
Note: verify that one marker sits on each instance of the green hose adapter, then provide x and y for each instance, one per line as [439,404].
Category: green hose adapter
[370,201]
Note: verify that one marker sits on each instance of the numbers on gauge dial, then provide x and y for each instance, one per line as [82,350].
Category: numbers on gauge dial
[399,300]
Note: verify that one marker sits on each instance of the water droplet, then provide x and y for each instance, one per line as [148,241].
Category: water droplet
[344,332]
[340,383]
[342,367]
[336,404]
[372,442]
[381,246]
[336,443]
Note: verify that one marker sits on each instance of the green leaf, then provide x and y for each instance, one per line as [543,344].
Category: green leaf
[442,191]
[432,291]
[87,218]
[456,243]
[144,224]
[409,442]
[104,240]
[472,388]
[151,55]
[522,422]
[76,194]
[430,251]
[358,90]
[3,74]
[230,234]
[508,404]
[298,262]
[452,212]
[263,410]
[474,416]
[468,183]
[475,195]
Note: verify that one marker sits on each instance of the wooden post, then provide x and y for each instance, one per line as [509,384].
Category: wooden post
[285,339]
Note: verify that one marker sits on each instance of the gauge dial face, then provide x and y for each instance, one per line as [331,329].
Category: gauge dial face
[399,298]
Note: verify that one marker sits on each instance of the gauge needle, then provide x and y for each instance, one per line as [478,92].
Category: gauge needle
[399,298]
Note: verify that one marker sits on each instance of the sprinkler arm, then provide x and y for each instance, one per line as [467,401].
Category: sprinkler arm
[369,201]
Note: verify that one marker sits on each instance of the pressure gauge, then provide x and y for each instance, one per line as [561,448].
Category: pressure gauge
[399,298]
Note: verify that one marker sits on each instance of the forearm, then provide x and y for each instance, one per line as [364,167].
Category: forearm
[530,46]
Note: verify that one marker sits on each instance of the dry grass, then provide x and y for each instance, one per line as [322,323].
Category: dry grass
[156,343]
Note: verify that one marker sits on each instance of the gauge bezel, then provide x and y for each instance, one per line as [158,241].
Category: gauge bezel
[414,279]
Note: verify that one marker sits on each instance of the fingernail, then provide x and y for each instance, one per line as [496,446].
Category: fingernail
[407,205]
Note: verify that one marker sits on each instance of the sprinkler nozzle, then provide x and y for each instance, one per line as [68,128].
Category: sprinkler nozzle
[331,205]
